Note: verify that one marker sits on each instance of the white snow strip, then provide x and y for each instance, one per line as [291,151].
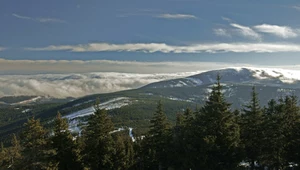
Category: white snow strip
[196,81]
[108,105]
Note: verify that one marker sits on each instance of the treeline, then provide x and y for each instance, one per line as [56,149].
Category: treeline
[212,137]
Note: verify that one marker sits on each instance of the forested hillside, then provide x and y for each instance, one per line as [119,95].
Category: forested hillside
[212,137]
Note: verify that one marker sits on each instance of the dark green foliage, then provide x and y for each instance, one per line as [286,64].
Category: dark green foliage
[66,149]
[252,129]
[281,132]
[211,137]
[123,157]
[157,140]
[218,133]
[10,157]
[99,146]
[35,146]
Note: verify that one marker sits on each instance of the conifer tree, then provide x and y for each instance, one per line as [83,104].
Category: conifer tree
[217,133]
[272,147]
[99,146]
[67,152]
[281,136]
[35,149]
[252,129]
[3,157]
[176,154]
[180,153]
[290,127]
[159,135]
[124,155]
[14,153]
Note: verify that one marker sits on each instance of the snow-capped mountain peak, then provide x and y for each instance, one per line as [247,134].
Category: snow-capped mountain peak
[240,75]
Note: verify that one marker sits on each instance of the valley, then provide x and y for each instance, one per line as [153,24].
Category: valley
[134,108]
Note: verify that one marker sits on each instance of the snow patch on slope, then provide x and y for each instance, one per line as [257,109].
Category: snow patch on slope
[108,105]
[195,81]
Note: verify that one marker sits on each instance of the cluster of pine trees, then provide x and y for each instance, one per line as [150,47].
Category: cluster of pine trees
[96,148]
[212,137]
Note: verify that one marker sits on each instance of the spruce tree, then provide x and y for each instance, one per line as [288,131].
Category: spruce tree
[290,127]
[124,155]
[99,146]
[14,153]
[217,133]
[252,129]
[180,153]
[35,149]
[273,140]
[176,154]
[67,152]
[281,137]
[158,137]
[4,161]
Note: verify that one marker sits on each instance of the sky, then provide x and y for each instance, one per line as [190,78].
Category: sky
[135,42]
[232,31]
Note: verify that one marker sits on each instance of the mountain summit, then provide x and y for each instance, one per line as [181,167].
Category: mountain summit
[249,76]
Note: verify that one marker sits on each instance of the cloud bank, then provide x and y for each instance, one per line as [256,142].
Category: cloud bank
[43,20]
[165,48]
[78,78]
[77,85]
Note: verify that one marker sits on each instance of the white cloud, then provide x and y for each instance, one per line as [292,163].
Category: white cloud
[2,48]
[43,20]
[80,78]
[130,75]
[246,31]
[50,20]
[165,48]
[176,16]
[280,31]
[21,17]
[221,32]
[76,85]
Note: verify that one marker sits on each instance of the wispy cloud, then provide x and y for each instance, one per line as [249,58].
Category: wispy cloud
[252,32]
[226,19]
[246,31]
[165,48]
[2,48]
[280,31]
[21,17]
[40,19]
[297,7]
[222,32]
[176,16]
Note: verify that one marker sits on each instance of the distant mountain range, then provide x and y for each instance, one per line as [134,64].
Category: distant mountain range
[193,90]
[245,76]
[135,107]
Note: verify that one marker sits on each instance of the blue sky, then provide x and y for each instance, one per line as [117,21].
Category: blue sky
[232,31]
